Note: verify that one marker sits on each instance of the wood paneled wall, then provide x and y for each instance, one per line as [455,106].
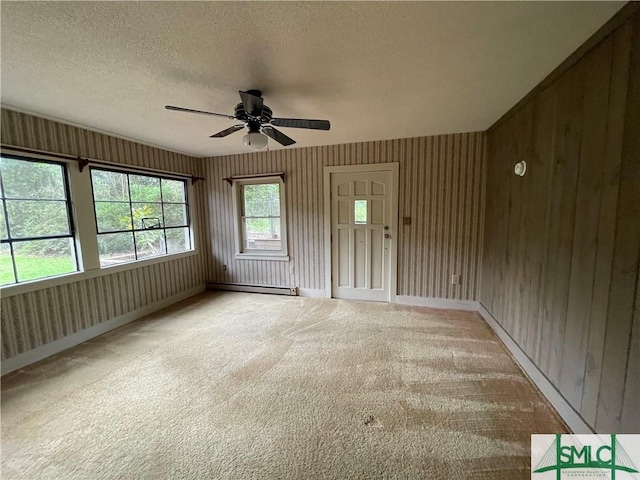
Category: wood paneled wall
[441,189]
[562,244]
[33,319]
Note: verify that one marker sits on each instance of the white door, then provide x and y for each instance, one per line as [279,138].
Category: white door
[361,235]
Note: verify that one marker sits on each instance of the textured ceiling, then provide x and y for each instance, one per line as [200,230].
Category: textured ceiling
[375,70]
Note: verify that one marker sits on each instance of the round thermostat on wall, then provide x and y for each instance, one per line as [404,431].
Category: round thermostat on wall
[520,169]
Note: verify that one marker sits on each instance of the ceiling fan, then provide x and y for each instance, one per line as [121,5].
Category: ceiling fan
[257,117]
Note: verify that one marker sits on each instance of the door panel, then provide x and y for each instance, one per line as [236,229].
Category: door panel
[344,212]
[377,188]
[377,259]
[342,257]
[361,235]
[360,261]
[377,212]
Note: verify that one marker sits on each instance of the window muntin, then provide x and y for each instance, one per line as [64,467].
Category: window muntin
[261,221]
[139,216]
[37,238]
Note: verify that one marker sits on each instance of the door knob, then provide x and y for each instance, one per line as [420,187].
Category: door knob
[386,227]
[386,235]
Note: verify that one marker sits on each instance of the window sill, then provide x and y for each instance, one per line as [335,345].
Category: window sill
[49,282]
[253,256]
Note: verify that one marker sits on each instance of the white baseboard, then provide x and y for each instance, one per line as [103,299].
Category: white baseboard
[447,303]
[312,292]
[572,418]
[44,351]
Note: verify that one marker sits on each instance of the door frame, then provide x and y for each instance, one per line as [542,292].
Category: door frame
[394,168]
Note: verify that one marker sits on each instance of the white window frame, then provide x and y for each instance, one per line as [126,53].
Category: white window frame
[238,208]
[86,239]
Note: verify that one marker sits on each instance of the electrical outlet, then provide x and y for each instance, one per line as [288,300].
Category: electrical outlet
[224,268]
[455,279]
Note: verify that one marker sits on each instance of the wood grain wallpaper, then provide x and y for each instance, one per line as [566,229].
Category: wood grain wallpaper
[441,189]
[33,319]
[561,252]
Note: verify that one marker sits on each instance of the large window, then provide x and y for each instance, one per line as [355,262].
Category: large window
[58,218]
[36,228]
[139,216]
[261,225]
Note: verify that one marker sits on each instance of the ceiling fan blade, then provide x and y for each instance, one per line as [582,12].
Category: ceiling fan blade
[252,103]
[278,136]
[188,110]
[301,123]
[227,131]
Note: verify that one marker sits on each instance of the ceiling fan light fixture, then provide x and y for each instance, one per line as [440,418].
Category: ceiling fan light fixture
[255,140]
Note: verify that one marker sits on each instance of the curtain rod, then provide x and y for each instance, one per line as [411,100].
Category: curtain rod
[83,162]
[230,180]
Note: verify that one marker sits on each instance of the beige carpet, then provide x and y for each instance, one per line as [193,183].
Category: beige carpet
[246,386]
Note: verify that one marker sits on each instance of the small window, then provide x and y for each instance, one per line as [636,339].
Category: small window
[360,211]
[36,229]
[139,216]
[261,222]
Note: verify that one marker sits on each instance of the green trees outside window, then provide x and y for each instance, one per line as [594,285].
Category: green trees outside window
[36,230]
[139,216]
[261,216]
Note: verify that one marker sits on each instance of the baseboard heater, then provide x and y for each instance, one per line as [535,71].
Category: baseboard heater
[243,287]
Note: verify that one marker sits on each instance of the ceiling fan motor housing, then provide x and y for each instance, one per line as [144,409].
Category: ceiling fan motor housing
[241,114]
